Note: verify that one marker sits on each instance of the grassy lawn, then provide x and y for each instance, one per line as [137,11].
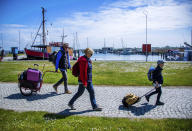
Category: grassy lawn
[107,73]
[11,120]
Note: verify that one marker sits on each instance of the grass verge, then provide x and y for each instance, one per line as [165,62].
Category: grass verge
[11,120]
[107,73]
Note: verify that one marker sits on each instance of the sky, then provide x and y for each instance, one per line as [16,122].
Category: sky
[120,23]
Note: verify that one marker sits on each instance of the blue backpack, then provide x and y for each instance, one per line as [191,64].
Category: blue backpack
[150,73]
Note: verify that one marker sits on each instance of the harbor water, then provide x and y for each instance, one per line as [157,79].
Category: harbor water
[114,57]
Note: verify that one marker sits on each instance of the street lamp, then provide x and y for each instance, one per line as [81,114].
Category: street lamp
[145,12]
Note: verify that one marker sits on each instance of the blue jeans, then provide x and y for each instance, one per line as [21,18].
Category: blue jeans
[80,92]
[64,78]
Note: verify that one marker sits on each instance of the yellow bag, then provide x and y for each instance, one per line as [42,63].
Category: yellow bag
[131,99]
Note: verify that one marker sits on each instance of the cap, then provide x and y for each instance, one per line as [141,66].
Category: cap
[160,62]
[66,45]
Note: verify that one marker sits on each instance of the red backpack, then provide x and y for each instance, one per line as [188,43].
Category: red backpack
[75,69]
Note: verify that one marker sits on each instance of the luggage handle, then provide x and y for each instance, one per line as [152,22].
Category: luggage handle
[46,72]
[147,93]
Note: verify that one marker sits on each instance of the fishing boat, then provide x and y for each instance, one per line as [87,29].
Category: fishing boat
[41,51]
[38,52]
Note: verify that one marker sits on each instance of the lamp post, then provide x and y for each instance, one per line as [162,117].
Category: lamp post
[19,40]
[146,13]
[2,39]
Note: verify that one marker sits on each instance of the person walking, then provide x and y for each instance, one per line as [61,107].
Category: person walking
[63,63]
[2,54]
[157,82]
[85,80]
[15,53]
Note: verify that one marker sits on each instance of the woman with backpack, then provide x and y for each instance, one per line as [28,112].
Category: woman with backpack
[85,80]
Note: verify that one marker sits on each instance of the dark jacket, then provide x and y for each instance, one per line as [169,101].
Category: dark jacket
[63,60]
[157,75]
[85,67]
[89,70]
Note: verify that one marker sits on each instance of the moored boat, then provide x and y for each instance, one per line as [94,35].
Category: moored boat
[41,51]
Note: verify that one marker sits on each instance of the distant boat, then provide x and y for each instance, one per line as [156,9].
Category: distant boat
[55,46]
[44,51]
[40,51]
[127,51]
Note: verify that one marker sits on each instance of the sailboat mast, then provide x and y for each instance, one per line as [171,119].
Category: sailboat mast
[43,12]
[104,43]
[76,41]
[191,37]
[19,40]
[63,36]
[87,43]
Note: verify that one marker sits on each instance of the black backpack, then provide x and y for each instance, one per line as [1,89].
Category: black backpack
[53,56]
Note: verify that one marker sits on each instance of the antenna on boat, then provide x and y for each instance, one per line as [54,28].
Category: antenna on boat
[113,44]
[74,41]
[122,42]
[63,36]
[104,43]
[87,43]
[44,35]
[77,41]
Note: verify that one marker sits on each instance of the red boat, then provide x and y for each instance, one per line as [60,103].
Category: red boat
[41,51]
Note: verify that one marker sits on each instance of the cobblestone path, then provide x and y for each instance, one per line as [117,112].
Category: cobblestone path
[178,101]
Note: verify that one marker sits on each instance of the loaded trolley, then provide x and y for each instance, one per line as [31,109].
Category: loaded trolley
[30,80]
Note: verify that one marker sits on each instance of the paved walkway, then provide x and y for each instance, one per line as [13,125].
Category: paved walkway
[178,101]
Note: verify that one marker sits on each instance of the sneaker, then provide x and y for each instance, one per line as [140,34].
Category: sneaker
[147,98]
[97,109]
[71,106]
[159,103]
[55,88]
[67,92]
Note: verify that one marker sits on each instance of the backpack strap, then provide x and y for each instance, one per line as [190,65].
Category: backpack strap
[63,52]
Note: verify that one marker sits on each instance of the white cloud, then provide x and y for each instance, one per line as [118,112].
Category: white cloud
[118,20]
[125,20]
[12,26]
[10,34]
